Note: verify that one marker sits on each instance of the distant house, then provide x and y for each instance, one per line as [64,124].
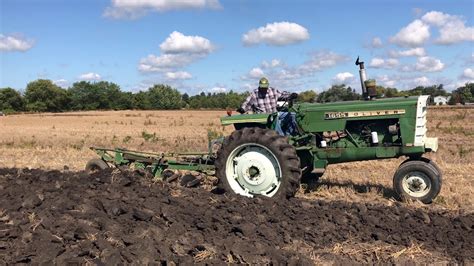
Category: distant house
[441,100]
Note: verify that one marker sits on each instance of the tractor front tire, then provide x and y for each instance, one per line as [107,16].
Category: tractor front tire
[418,180]
[95,164]
[255,161]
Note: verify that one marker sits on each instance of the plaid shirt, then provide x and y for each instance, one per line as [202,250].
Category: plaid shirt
[263,102]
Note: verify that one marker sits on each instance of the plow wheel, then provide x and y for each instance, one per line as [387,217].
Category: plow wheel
[95,165]
[256,161]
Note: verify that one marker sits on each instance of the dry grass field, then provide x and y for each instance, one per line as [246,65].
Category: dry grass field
[57,141]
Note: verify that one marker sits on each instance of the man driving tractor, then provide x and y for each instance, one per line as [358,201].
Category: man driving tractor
[264,100]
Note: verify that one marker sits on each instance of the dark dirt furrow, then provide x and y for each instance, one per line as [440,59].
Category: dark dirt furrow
[113,217]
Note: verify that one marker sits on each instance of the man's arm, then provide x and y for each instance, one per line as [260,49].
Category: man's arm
[247,105]
[284,95]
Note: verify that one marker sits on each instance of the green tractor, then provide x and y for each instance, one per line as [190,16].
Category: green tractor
[256,160]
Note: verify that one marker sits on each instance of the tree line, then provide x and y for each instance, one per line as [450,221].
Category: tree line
[43,95]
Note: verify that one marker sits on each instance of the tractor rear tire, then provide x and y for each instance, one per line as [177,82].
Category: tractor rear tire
[255,161]
[95,164]
[418,180]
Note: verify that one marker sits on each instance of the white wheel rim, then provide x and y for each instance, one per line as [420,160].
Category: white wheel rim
[416,184]
[252,169]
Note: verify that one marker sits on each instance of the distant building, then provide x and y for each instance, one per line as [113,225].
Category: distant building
[441,100]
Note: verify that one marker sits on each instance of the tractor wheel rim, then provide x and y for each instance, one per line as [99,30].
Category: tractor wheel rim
[252,169]
[416,184]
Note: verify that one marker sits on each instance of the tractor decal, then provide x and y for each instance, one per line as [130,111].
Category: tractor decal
[337,115]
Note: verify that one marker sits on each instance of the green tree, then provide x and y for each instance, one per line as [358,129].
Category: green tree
[307,96]
[115,98]
[185,98]
[455,99]
[164,97]
[338,93]
[433,91]
[101,95]
[43,95]
[464,94]
[86,96]
[221,100]
[141,101]
[11,100]
[235,100]
[383,92]
[392,92]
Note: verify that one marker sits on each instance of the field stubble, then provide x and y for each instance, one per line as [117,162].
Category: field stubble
[58,141]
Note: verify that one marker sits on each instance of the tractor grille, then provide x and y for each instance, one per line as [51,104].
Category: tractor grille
[420,130]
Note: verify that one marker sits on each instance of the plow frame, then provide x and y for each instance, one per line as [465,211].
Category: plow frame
[157,163]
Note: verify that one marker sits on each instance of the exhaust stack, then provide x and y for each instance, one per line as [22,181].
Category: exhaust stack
[368,85]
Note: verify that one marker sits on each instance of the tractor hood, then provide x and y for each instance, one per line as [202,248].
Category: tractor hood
[359,105]
[245,118]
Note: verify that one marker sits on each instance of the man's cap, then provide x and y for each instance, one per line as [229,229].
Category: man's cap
[263,83]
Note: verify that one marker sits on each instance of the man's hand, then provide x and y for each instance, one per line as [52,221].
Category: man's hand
[241,110]
[293,96]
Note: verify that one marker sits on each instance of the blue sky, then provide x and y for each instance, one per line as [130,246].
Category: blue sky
[219,45]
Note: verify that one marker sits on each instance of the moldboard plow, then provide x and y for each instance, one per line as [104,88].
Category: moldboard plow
[160,166]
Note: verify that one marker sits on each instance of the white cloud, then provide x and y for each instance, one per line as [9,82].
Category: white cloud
[452,29]
[179,43]
[277,33]
[288,77]
[419,51]
[376,62]
[343,77]
[14,43]
[256,73]
[61,83]
[218,89]
[436,18]
[165,62]
[90,76]
[468,73]
[272,64]
[413,35]
[466,77]
[137,8]
[376,42]
[403,82]
[461,83]
[178,51]
[392,62]
[178,75]
[386,81]
[428,64]
[422,81]
[383,63]
[322,60]
[410,81]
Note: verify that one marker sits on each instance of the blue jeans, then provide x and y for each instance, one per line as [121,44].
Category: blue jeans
[286,123]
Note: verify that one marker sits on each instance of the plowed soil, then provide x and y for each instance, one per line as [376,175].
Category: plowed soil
[113,217]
